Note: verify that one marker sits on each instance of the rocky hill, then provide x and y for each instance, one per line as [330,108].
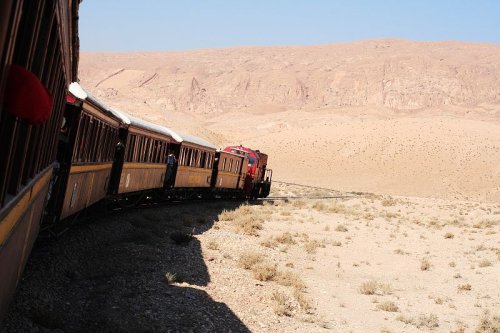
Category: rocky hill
[394,74]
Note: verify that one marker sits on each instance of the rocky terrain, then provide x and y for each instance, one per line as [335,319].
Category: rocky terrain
[384,116]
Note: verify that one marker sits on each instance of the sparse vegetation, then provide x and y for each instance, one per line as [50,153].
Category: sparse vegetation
[464,287]
[282,304]
[213,245]
[449,235]
[425,264]
[485,263]
[264,271]
[428,321]
[250,259]
[489,324]
[373,287]
[312,245]
[388,306]
[341,228]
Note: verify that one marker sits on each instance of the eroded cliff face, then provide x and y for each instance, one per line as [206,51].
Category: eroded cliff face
[395,74]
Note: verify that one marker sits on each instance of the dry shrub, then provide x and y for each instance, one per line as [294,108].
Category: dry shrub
[486,224]
[248,224]
[213,245]
[389,202]
[373,287]
[425,264]
[449,235]
[369,287]
[228,215]
[388,306]
[290,279]
[249,259]
[285,238]
[299,204]
[282,304]
[429,321]
[311,246]
[341,228]
[485,263]
[464,287]
[320,206]
[303,301]
[336,243]
[489,324]
[264,271]
[170,277]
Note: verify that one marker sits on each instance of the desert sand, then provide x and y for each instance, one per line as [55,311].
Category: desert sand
[384,116]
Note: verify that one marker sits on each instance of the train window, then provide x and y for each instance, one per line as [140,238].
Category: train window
[236,169]
[230,165]
[224,164]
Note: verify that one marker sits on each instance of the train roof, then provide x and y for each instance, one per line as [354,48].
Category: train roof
[154,128]
[196,140]
[77,90]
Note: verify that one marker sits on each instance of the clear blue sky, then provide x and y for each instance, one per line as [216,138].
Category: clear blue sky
[163,25]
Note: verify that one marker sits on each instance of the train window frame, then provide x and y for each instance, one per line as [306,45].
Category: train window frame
[224,164]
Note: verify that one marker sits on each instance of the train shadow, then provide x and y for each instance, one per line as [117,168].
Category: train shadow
[115,273]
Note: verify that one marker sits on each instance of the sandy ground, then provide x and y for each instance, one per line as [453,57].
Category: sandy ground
[384,116]
[307,260]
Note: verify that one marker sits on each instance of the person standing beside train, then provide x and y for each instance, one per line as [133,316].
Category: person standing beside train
[171,160]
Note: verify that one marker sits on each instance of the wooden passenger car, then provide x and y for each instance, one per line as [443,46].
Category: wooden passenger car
[229,171]
[196,159]
[41,37]
[92,139]
[146,149]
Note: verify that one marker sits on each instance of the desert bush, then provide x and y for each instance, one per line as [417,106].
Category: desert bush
[449,235]
[299,204]
[389,202]
[373,287]
[485,224]
[213,245]
[249,259]
[425,264]
[312,245]
[489,324]
[282,304]
[290,279]
[170,277]
[485,263]
[464,287]
[303,301]
[264,272]
[285,238]
[341,228]
[388,306]
[428,321]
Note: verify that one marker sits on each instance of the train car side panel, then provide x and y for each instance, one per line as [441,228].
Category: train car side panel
[87,184]
[141,176]
[192,177]
[18,231]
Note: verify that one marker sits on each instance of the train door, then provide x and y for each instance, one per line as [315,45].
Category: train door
[172,164]
[118,160]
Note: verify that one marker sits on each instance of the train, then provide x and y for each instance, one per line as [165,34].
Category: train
[63,151]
